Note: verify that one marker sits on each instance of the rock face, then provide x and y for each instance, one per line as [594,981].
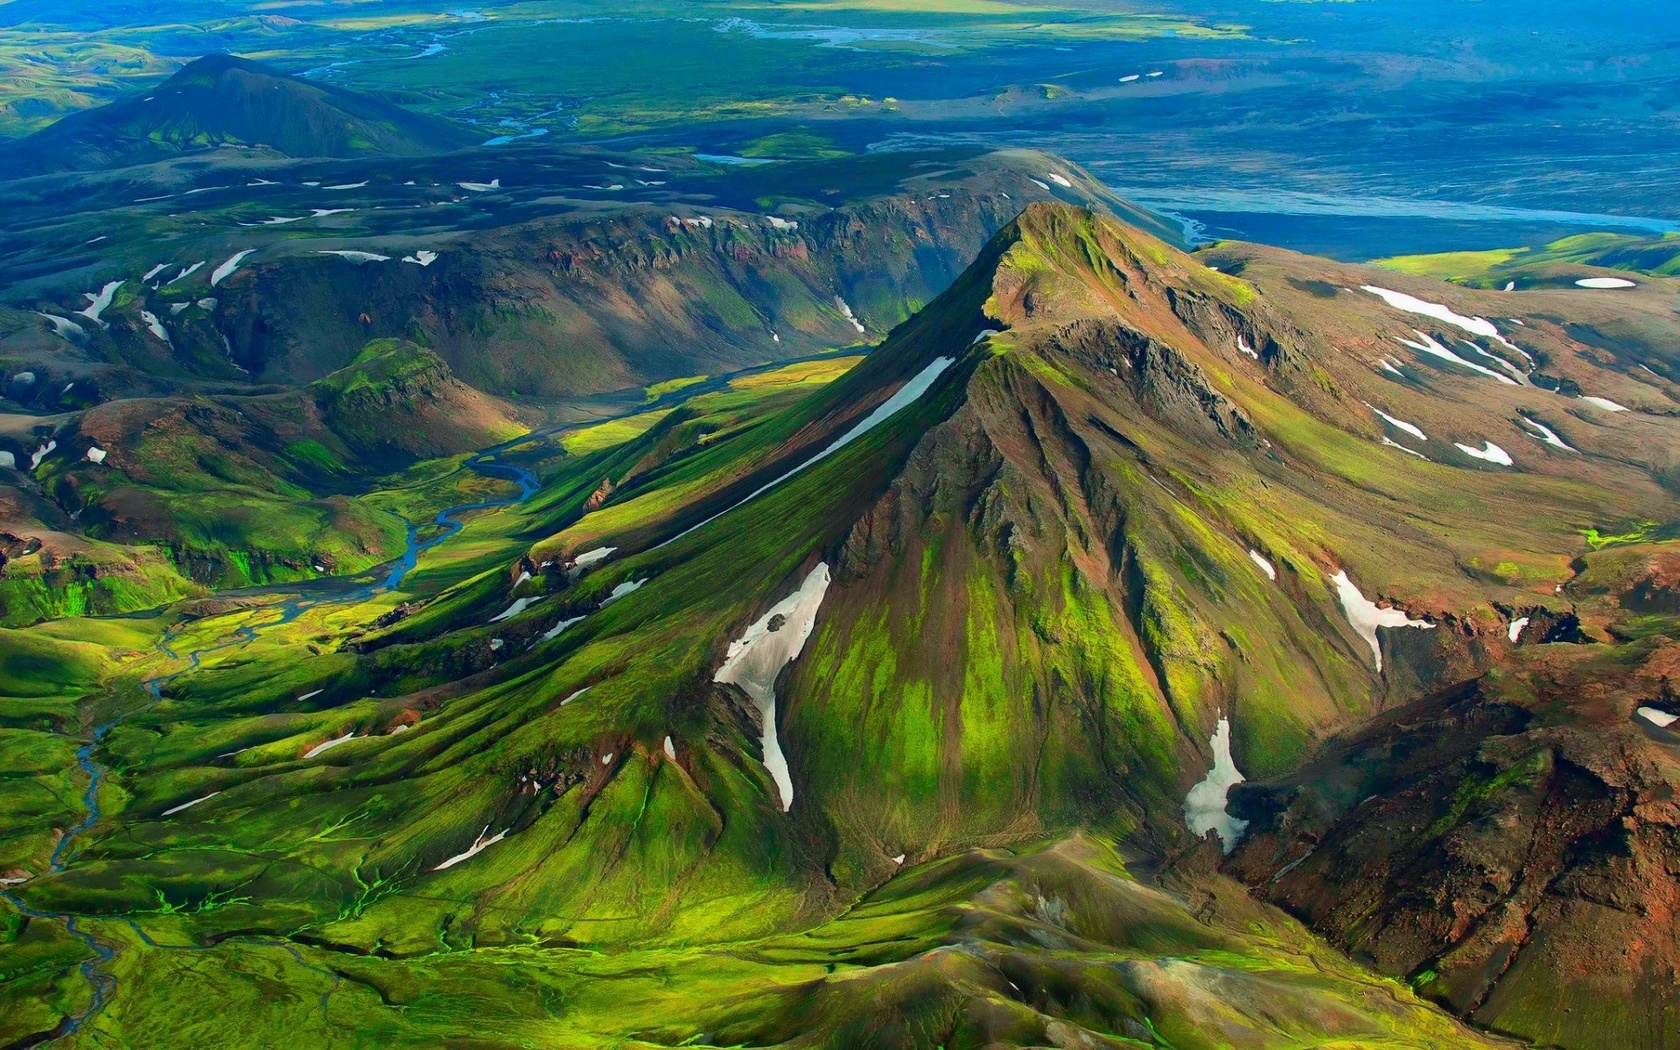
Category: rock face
[1508,845]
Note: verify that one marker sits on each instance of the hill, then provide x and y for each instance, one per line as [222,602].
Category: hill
[226,101]
[858,710]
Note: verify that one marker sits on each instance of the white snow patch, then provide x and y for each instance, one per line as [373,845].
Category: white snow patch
[1265,566]
[346,186]
[176,308]
[1411,304]
[627,587]
[1366,616]
[555,631]
[1605,282]
[1390,367]
[95,454]
[187,271]
[421,258]
[606,759]
[519,605]
[403,728]
[481,187]
[205,304]
[224,271]
[1040,185]
[758,656]
[909,392]
[574,696]
[591,558]
[670,749]
[154,326]
[7,460]
[984,335]
[1059,179]
[1242,344]
[496,643]
[1157,73]
[1128,78]
[1661,719]
[1391,443]
[329,745]
[99,301]
[1400,424]
[188,805]
[777,222]
[1489,451]
[1547,434]
[63,326]
[154,271]
[356,257]
[1515,629]
[306,696]
[1510,286]
[898,860]
[846,309]
[1603,402]
[42,453]
[1430,346]
[484,841]
[523,576]
[322,213]
[1204,806]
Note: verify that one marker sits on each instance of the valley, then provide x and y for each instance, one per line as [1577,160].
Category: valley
[980,524]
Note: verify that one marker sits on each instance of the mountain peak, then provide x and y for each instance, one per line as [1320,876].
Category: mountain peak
[223,100]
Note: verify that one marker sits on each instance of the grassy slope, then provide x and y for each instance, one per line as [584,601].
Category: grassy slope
[1042,597]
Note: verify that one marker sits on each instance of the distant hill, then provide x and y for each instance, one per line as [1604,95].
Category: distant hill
[222,100]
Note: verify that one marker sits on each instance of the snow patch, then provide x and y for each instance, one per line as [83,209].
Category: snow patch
[909,392]
[1411,304]
[188,805]
[306,696]
[42,453]
[322,748]
[346,186]
[1040,185]
[1391,443]
[95,454]
[555,631]
[1242,344]
[224,271]
[1605,282]
[356,257]
[1265,566]
[590,558]
[63,327]
[1544,433]
[625,588]
[1661,719]
[519,605]
[186,271]
[1515,629]
[1204,806]
[1431,347]
[1059,179]
[574,696]
[99,301]
[758,656]
[1603,402]
[421,258]
[154,271]
[1400,424]
[670,749]
[481,187]
[7,460]
[1366,616]
[154,326]
[484,841]
[1489,451]
[846,309]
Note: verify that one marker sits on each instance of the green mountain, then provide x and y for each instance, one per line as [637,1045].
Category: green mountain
[862,706]
[223,101]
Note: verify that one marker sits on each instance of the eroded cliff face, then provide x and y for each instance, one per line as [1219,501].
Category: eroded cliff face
[1508,845]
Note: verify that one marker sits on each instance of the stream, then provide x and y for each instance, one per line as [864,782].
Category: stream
[309,593]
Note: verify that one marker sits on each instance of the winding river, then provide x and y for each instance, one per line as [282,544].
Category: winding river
[308,594]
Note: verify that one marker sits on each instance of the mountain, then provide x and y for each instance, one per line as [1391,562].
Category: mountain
[225,101]
[235,490]
[586,272]
[873,705]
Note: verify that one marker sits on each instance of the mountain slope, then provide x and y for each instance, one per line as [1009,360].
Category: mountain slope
[994,588]
[222,100]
